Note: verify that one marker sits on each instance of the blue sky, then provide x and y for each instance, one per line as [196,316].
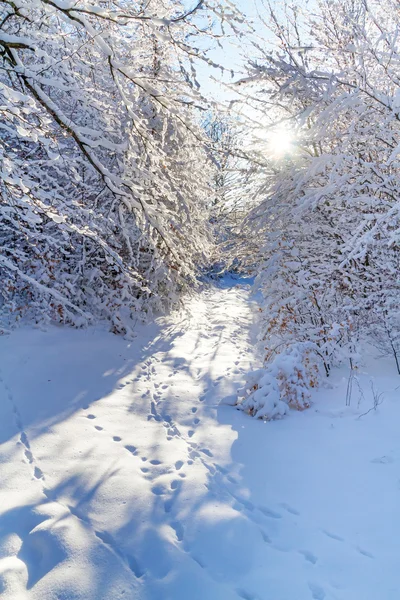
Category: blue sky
[231,56]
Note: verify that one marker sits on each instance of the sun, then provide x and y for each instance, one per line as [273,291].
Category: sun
[280,142]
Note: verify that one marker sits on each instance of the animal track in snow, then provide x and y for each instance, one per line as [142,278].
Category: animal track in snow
[290,509]
[317,591]
[269,513]
[28,456]
[265,537]
[38,473]
[23,438]
[309,556]
[365,552]
[333,536]
[179,530]
[207,452]
[384,460]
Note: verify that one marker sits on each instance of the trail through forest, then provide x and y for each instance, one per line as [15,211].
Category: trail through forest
[126,473]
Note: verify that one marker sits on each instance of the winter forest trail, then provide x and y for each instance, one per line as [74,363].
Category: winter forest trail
[127,474]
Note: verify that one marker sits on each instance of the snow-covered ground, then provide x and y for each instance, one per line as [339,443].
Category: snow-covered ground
[125,473]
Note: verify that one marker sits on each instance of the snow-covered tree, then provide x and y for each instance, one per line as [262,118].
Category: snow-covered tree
[105,175]
[228,205]
[327,222]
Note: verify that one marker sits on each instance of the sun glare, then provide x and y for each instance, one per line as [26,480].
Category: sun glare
[279,142]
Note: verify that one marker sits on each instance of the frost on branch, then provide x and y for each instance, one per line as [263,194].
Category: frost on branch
[284,383]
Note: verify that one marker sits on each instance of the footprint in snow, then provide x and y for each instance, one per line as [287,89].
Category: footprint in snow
[265,537]
[98,428]
[169,503]
[333,536]
[90,416]
[365,552]
[179,530]
[24,440]
[290,509]
[317,591]
[384,460]
[309,556]
[269,513]
[158,490]
[38,473]
[116,438]
[207,452]
[28,456]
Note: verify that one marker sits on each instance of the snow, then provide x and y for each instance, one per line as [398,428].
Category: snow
[126,473]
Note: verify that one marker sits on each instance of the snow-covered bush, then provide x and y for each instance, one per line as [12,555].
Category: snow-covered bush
[104,170]
[285,382]
[327,222]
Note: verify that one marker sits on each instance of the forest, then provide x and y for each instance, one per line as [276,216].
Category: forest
[203,193]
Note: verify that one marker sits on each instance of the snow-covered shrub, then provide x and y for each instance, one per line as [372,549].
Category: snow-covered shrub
[104,169]
[327,223]
[260,396]
[285,382]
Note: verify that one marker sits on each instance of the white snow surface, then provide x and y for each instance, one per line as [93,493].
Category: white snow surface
[126,473]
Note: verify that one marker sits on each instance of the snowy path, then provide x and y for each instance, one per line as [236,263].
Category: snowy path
[125,473]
